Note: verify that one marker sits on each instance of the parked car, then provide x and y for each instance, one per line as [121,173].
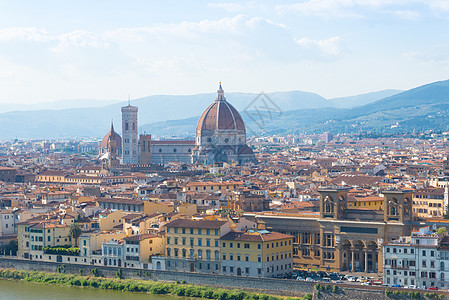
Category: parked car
[414,287]
[435,288]
[352,279]
[396,285]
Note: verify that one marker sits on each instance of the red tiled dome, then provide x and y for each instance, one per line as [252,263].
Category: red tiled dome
[116,136]
[220,115]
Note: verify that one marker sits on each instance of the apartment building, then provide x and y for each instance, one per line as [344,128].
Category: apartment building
[256,253]
[413,260]
[194,246]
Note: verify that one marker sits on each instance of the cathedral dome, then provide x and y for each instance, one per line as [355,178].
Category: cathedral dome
[220,115]
[113,135]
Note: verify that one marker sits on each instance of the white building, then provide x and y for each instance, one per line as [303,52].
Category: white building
[412,260]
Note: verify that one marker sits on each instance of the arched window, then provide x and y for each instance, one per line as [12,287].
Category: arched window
[209,140]
[174,150]
[160,150]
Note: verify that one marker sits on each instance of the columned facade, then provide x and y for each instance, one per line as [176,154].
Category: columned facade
[340,239]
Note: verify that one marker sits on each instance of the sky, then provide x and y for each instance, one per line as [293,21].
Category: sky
[107,49]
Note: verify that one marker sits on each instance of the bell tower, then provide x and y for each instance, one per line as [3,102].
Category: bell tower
[333,203]
[398,206]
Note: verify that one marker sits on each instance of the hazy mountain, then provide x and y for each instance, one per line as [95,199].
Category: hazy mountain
[95,121]
[57,105]
[362,99]
[421,108]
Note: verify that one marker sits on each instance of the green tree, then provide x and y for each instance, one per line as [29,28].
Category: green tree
[75,232]
[441,230]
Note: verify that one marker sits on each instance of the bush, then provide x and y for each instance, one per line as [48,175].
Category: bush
[308,297]
[136,285]
[335,289]
[119,274]
[62,250]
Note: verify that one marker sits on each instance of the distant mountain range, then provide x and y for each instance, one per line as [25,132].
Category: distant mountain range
[422,108]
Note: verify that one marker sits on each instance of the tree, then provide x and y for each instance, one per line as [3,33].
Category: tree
[75,232]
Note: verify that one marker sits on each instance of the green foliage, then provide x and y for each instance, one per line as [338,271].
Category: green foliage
[75,231]
[335,289]
[145,286]
[119,274]
[62,250]
[387,292]
[308,297]
[441,230]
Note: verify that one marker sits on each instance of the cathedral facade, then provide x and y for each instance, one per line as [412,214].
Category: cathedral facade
[220,137]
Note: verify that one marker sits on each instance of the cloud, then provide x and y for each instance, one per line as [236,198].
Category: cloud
[30,34]
[328,47]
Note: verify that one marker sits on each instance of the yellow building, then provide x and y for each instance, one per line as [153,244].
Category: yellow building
[428,202]
[366,202]
[33,237]
[139,249]
[256,253]
[194,245]
[112,220]
[150,207]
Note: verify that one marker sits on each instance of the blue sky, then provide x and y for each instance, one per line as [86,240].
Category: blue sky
[51,50]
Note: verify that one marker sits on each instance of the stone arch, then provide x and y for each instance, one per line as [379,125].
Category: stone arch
[345,255]
[393,207]
[328,205]
[372,256]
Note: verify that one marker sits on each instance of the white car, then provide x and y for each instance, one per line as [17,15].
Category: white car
[352,279]
[414,287]
[309,279]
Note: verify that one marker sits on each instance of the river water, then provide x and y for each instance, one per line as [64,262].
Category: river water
[18,290]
